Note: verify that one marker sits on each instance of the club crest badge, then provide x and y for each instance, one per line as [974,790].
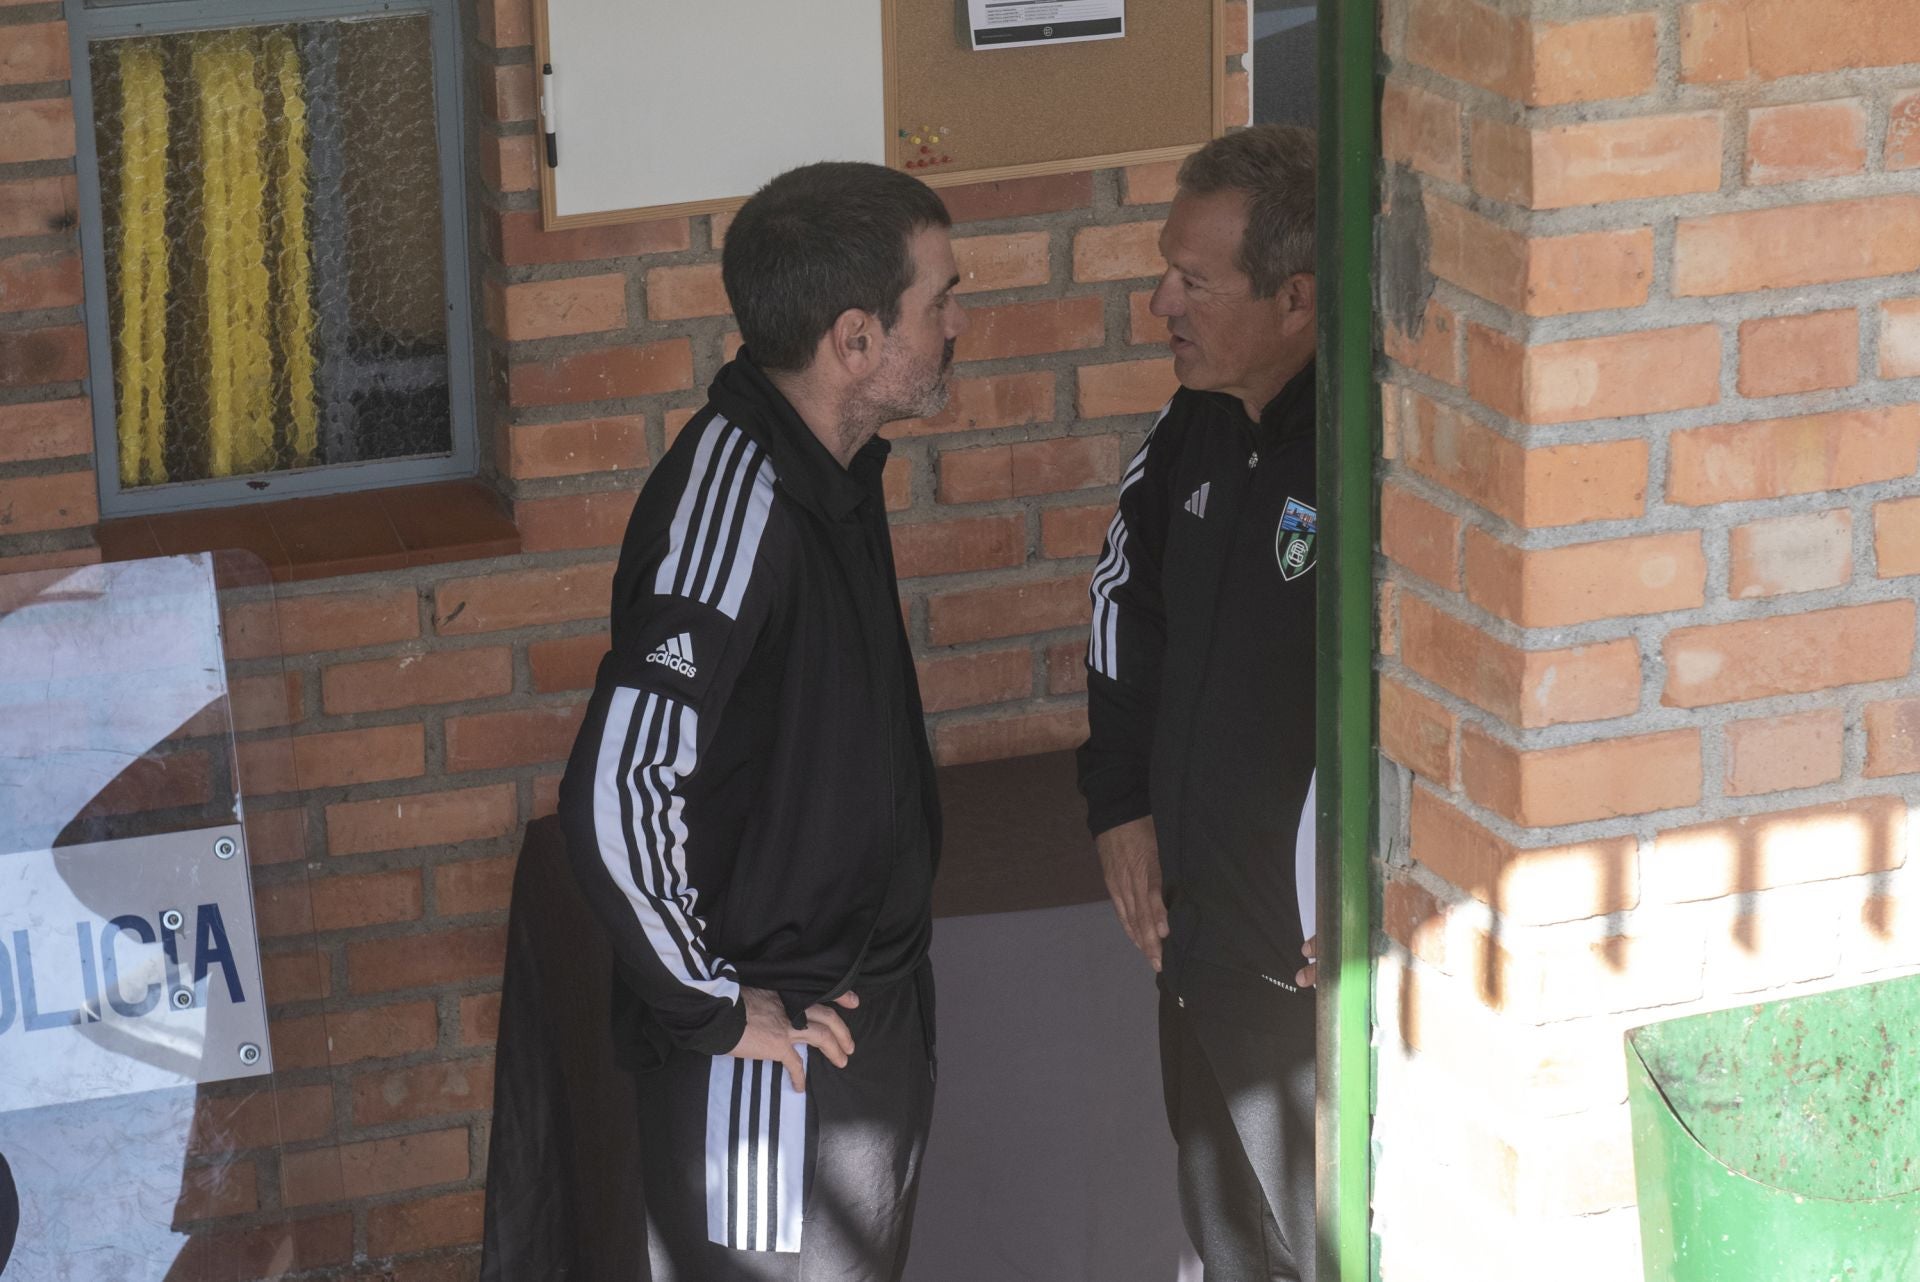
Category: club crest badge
[1293,542]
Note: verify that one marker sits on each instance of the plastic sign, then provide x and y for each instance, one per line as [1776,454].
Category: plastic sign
[1018,24]
[128,966]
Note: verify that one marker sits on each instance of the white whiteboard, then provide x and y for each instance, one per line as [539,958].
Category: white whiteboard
[673,102]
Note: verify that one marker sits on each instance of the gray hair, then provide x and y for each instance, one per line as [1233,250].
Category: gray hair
[1273,167]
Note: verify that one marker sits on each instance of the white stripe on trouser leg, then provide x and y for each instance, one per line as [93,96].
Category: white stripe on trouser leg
[756,1155]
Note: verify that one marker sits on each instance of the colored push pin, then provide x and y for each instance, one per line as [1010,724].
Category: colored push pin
[933,138]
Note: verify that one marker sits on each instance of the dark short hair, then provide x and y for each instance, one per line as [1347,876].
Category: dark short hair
[1273,167]
[815,242]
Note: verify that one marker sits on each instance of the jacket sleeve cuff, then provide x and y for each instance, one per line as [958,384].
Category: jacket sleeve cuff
[716,1036]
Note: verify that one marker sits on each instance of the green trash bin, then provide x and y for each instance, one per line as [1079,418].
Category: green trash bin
[1780,1142]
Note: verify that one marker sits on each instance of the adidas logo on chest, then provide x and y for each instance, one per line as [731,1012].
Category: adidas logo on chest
[676,653]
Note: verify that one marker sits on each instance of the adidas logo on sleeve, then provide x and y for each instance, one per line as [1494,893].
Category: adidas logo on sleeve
[676,653]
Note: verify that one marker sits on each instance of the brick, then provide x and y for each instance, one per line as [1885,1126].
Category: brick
[508,95]
[1019,197]
[1237,104]
[955,547]
[1033,329]
[1074,531]
[327,621]
[1782,355]
[683,293]
[958,743]
[296,977]
[412,680]
[1463,40]
[372,899]
[381,1032]
[1123,251]
[1618,376]
[1152,184]
[523,242]
[1417,732]
[39,130]
[37,281]
[228,1124]
[1420,536]
[1796,38]
[1131,387]
[1008,610]
[508,163]
[572,522]
[1806,140]
[62,501]
[1900,338]
[971,680]
[520,737]
[40,562]
[1063,463]
[1237,24]
[373,1167]
[1002,262]
[452,1219]
[422,819]
[1796,245]
[1896,538]
[1527,688]
[1567,974]
[505,24]
[1713,42]
[495,602]
[437,1090]
[1067,668]
[1778,457]
[282,1246]
[1434,351]
[1787,937]
[568,663]
[1774,754]
[606,374]
[480,1019]
[29,357]
[976,476]
[896,484]
[474,886]
[1539,275]
[536,451]
[1597,162]
[975,404]
[1893,738]
[1787,848]
[1594,59]
[1791,554]
[558,308]
[217,1191]
[1143,327]
[1554,485]
[275,836]
[454,956]
[1903,133]
[1422,131]
[1788,654]
[1526,886]
[335,759]
[38,206]
[1603,779]
[1413,917]
[1584,582]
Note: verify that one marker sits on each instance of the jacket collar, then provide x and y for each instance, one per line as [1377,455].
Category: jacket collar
[1289,414]
[807,471]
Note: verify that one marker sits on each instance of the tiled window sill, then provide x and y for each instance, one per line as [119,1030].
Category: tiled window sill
[332,535]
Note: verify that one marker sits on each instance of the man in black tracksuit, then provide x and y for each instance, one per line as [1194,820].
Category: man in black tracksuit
[750,804]
[1199,770]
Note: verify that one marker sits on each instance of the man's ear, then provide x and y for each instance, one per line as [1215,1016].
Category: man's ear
[1302,296]
[854,342]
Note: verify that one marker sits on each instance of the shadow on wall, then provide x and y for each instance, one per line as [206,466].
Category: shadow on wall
[1762,873]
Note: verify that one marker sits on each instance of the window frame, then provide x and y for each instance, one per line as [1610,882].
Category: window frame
[121,18]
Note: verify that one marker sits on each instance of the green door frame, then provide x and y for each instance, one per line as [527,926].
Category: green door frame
[1349,408]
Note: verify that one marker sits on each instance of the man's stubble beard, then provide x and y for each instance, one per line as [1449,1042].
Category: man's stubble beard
[865,418]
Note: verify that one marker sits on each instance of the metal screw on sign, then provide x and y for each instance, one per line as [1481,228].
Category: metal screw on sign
[182,998]
[249,1053]
[173,919]
[224,848]
[1046,31]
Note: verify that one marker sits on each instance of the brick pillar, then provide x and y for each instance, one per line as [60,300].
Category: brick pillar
[1649,522]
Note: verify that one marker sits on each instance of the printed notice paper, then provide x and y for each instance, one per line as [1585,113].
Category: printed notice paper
[1016,24]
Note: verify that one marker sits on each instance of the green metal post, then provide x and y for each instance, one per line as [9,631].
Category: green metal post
[1347,781]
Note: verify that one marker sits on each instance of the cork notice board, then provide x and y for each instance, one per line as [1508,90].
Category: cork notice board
[644,128]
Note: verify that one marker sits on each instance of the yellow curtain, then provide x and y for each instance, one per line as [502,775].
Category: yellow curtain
[142,334]
[293,319]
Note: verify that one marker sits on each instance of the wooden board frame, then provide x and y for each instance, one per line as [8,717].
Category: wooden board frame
[552,220]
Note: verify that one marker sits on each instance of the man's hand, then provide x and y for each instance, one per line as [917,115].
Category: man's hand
[1130,858]
[771,1035]
[1308,976]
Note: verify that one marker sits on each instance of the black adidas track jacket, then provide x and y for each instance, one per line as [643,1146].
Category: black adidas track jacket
[1200,674]
[752,791]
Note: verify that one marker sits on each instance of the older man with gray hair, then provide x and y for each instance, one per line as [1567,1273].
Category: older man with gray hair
[1198,773]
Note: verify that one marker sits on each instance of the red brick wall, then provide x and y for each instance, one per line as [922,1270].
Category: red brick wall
[1647,670]
[429,710]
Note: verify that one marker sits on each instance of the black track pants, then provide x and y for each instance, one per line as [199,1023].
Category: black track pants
[1239,1087]
[749,1181]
